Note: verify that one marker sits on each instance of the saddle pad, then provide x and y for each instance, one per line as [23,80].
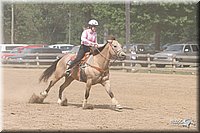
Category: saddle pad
[83,60]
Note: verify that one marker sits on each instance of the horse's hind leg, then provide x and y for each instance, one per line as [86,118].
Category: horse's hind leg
[51,83]
[67,82]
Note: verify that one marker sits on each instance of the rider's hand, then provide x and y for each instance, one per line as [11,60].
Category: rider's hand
[96,45]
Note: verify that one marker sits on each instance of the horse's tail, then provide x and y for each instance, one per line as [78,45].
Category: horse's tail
[49,71]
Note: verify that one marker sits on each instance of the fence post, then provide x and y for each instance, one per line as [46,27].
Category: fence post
[174,63]
[148,63]
[37,59]
[123,65]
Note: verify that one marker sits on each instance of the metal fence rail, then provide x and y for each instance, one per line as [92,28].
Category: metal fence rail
[127,65]
[36,59]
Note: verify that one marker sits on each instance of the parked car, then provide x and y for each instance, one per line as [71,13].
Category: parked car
[16,51]
[20,49]
[6,48]
[75,49]
[141,49]
[64,47]
[164,47]
[127,48]
[25,56]
[177,50]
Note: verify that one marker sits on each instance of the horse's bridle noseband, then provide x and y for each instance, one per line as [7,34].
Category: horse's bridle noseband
[117,52]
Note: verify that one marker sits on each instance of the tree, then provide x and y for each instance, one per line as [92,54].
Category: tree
[157,23]
[167,21]
[112,18]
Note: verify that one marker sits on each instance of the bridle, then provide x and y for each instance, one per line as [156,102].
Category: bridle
[117,53]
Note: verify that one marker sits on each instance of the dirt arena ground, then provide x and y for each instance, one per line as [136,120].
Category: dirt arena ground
[151,102]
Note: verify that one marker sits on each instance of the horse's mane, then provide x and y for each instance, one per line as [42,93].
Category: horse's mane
[98,50]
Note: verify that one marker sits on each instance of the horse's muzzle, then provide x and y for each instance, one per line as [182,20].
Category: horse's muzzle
[122,55]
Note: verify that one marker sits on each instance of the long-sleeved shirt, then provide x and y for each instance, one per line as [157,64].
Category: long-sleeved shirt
[88,37]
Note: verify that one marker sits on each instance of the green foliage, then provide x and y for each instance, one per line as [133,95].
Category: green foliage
[55,23]
[174,21]
[111,17]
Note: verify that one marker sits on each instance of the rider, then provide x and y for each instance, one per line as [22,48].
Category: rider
[88,39]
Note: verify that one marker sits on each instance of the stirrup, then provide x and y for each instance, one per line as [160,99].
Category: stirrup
[68,72]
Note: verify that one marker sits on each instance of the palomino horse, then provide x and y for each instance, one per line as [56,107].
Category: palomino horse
[96,71]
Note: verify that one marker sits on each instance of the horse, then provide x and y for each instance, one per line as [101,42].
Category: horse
[95,71]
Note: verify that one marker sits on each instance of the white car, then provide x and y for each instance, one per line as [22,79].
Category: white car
[75,49]
[6,48]
[65,48]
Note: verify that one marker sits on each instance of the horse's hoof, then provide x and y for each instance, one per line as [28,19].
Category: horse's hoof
[36,99]
[88,106]
[59,101]
[119,106]
[117,109]
[44,94]
[64,102]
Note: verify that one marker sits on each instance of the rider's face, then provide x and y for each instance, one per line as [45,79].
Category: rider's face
[93,28]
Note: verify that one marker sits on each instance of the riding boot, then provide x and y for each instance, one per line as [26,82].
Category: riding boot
[68,71]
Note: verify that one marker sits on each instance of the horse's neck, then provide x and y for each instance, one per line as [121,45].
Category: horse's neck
[101,60]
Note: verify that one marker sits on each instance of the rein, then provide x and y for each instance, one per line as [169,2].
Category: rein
[100,69]
[107,58]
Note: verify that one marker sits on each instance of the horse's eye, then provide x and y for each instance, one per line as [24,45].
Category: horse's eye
[115,46]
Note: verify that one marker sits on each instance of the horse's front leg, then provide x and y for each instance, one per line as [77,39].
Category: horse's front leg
[87,92]
[106,84]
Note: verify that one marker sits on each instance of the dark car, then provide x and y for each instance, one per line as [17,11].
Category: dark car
[29,55]
[127,48]
[164,47]
[137,49]
[178,50]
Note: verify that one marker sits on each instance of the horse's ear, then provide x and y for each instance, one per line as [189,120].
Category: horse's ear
[110,37]
[109,41]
